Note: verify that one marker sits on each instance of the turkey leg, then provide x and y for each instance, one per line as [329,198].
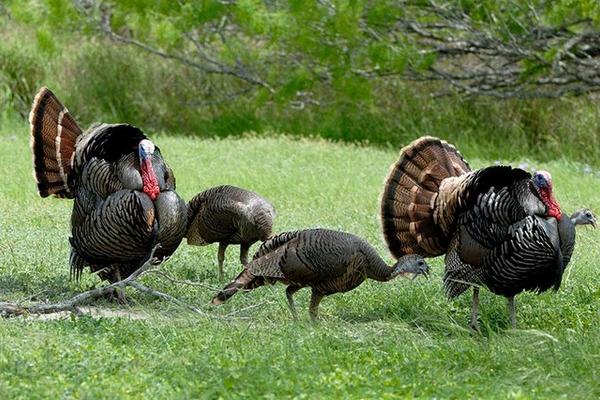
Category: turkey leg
[244,247]
[289,292]
[313,309]
[512,311]
[474,324]
[221,258]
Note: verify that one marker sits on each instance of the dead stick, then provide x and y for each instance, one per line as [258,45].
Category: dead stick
[185,281]
[11,309]
[167,297]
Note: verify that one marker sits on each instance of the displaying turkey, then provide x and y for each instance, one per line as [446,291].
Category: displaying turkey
[500,227]
[124,192]
[229,215]
[326,261]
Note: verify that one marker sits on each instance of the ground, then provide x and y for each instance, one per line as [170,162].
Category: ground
[383,340]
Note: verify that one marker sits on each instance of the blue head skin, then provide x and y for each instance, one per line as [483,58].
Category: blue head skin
[542,180]
[145,149]
[410,265]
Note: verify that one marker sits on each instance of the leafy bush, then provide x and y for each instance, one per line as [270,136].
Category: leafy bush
[21,72]
[104,80]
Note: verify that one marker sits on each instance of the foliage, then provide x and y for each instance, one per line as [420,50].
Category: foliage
[331,69]
[396,340]
[21,73]
[295,50]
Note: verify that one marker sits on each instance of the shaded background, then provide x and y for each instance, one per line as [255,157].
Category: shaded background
[505,79]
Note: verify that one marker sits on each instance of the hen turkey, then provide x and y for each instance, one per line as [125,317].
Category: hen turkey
[326,261]
[229,215]
[124,193]
[500,227]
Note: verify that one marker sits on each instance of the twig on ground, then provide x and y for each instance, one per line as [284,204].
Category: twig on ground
[12,309]
[8,309]
[184,281]
[167,297]
[231,314]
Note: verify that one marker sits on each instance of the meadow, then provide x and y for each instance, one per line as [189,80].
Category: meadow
[397,340]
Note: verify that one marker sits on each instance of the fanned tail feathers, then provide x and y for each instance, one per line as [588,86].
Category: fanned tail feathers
[54,134]
[409,196]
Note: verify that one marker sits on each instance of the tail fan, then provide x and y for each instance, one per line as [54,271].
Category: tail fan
[409,195]
[244,281]
[54,134]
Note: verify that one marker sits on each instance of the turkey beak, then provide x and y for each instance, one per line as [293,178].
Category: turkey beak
[143,155]
[593,222]
[145,160]
[421,270]
[145,150]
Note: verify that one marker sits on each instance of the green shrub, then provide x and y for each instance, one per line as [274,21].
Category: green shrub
[21,73]
[101,80]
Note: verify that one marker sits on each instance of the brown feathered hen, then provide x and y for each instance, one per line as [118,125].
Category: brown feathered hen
[229,215]
[327,261]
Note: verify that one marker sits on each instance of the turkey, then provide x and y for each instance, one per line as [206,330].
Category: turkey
[585,216]
[500,227]
[326,261]
[124,193]
[229,215]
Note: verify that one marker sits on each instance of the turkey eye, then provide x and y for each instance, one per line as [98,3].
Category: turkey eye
[588,215]
[420,263]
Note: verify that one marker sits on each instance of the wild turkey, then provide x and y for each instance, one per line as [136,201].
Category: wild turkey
[229,215]
[500,227]
[125,200]
[326,261]
[585,216]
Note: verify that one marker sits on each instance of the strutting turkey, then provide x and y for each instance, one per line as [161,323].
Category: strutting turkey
[229,215]
[124,192]
[325,260]
[500,227]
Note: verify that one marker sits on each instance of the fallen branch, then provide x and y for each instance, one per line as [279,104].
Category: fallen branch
[11,309]
[8,309]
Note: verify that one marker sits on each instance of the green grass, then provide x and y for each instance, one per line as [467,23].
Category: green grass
[397,340]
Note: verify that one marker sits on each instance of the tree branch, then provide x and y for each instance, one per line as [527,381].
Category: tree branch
[240,72]
[503,52]
[8,309]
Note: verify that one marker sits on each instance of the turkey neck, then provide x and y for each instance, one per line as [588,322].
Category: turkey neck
[566,234]
[376,268]
[149,178]
[551,203]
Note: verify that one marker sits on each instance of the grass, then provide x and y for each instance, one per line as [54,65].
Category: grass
[397,340]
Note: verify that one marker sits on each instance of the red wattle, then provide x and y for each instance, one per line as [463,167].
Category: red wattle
[149,180]
[551,204]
